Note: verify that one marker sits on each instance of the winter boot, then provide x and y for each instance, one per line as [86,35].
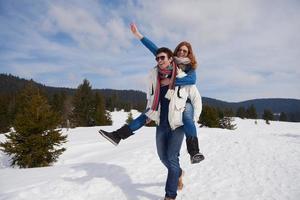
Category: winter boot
[116,136]
[193,149]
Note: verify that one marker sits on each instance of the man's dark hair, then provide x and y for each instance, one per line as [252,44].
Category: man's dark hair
[165,50]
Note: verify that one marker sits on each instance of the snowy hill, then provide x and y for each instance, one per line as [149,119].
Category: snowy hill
[260,162]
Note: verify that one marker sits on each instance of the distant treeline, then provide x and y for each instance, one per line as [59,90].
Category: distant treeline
[80,107]
[85,106]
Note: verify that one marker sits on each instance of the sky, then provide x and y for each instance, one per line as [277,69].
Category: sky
[246,49]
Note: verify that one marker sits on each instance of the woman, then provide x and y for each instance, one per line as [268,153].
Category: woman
[186,61]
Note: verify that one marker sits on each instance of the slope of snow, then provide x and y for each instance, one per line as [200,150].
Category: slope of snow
[252,162]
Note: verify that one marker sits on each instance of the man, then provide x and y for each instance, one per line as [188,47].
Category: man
[168,141]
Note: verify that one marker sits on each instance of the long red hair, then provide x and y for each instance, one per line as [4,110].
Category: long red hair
[190,55]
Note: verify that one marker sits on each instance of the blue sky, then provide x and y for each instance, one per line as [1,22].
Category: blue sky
[246,49]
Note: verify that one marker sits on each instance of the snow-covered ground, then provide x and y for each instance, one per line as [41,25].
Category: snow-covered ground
[253,162]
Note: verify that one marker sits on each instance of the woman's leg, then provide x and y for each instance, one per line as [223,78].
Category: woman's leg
[188,121]
[191,134]
[137,123]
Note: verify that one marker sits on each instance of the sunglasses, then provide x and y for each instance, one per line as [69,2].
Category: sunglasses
[183,50]
[158,58]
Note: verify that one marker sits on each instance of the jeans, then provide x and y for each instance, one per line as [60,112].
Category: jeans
[168,144]
[188,120]
[137,123]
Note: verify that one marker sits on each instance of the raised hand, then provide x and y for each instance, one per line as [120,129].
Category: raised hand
[135,31]
[133,28]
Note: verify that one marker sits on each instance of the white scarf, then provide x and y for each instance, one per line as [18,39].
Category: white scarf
[182,61]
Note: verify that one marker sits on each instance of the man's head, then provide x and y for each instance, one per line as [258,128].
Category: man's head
[164,57]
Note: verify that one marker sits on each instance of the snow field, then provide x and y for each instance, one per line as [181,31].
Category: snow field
[253,162]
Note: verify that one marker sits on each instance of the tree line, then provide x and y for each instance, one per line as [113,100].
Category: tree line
[223,118]
[87,107]
[34,119]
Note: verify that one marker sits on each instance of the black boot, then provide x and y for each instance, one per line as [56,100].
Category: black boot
[193,149]
[116,136]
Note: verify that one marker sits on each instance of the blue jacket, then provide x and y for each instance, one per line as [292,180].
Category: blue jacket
[190,79]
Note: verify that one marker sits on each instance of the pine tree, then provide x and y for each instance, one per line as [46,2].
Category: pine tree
[4,116]
[209,117]
[227,123]
[241,112]
[57,102]
[36,139]
[282,117]
[220,113]
[129,118]
[84,106]
[102,117]
[11,109]
[228,112]
[224,121]
[268,115]
[126,106]
[251,112]
[67,111]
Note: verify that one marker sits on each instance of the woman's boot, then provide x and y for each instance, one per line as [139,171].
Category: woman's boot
[116,136]
[193,149]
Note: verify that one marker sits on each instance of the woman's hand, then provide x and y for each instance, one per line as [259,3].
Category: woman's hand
[148,120]
[135,31]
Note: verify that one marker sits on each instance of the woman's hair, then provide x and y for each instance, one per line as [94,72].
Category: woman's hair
[165,50]
[190,55]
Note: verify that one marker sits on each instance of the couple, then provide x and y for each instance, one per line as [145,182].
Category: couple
[173,102]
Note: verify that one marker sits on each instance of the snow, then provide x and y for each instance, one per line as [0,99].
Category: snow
[260,162]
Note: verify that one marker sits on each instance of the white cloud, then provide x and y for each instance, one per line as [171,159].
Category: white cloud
[31,70]
[90,31]
[242,45]
[105,71]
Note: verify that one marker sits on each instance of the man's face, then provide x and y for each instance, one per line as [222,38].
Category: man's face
[162,60]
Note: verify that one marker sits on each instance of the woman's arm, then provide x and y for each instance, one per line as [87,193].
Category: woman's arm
[150,45]
[135,31]
[189,79]
[146,42]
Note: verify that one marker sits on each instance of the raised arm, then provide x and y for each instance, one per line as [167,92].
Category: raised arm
[189,79]
[135,31]
[146,42]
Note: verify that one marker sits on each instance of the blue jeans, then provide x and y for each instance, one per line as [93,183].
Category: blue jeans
[188,120]
[168,144]
[137,123]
